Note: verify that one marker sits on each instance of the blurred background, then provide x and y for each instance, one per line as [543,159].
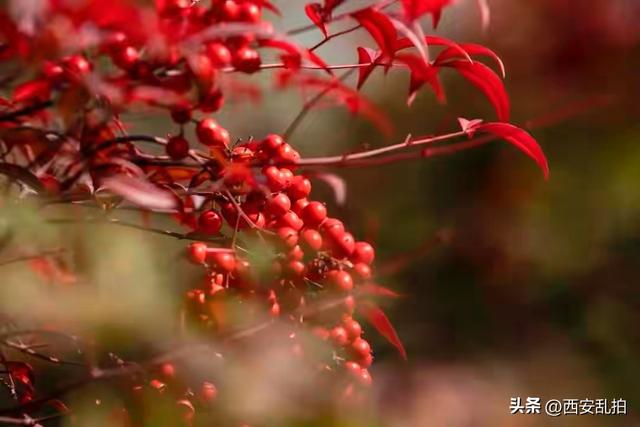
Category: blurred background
[513,286]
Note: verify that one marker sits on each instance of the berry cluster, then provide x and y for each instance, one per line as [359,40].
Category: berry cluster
[312,256]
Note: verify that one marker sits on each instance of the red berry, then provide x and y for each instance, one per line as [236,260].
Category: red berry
[219,54]
[211,134]
[365,378]
[181,115]
[353,369]
[247,60]
[272,142]
[343,246]
[224,260]
[366,361]
[278,205]
[339,336]
[363,252]
[229,10]
[296,254]
[275,180]
[314,213]
[340,280]
[125,57]
[290,219]
[360,347]
[295,269]
[300,188]
[177,147]
[198,252]
[211,101]
[362,271]
[332,228]
[352,327]
[208,392]
[288,236]
[249,12]
[311,239]
[210,222]
[299,205]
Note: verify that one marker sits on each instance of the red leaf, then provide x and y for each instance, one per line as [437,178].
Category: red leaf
[366,56]
[371,289]
[470,49]
[380,321]
[141,193]
[521,139]
[405,43]
[414,9]
[316,14]
[380,28]
[485,79]
[421,73]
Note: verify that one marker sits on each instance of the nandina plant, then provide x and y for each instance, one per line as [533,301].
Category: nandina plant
[275,263]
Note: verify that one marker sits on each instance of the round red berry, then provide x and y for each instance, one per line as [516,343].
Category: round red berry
[224,260]
[219,55]
[360,347]
[288,236]
[210,222]
[177,147]
[278,205]
[363,252]
[339,336]
[340,280]
[247,60]
[314,213]
[311,239]
[211,134]
[198,252]
[300,188]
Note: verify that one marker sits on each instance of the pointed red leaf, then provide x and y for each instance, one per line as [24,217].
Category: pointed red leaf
[380,27]
[376,317]
[521,139]
[485,79]
[470,49]
[414,9]
[421,73]
[366,56]
[315,13]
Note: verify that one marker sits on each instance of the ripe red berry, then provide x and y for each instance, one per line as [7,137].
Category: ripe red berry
[352,327]
[363,252]
[290,219]
[339,336]
[300,188]
[314,213]
[366,361]
[278,205]
[77,65]
[275,180]
[272,142]
[177,147]
[198,252]
[340,280]
[210,222]
[295,269]
[181,115]
[332,228]
[219,54]
[296,254]
[360,347]
[208,392]
[229,10]
[288,236]
[247,60]
[343,246]
[249,12]
[211,134]
[224,261]
[211,101]
[365,378]
[125,57]
[299,205]
[362,271]
[311,239]
[353,369]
